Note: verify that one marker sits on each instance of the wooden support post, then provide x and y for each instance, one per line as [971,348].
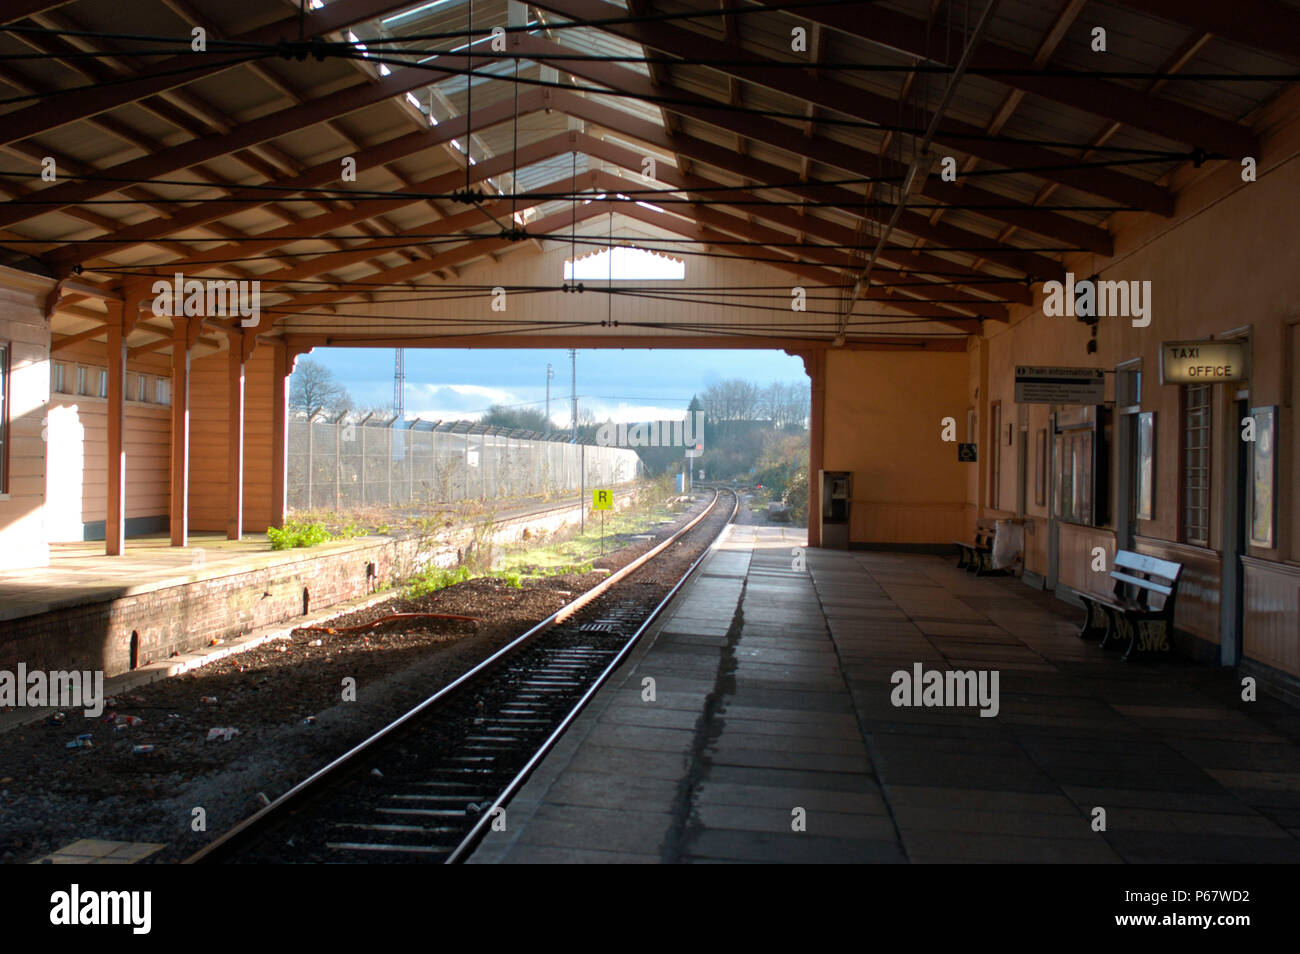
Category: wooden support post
[235,436]
[180,493]
[115,510]
[281,369]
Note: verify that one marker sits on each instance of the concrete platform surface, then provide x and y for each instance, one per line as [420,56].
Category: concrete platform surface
[97,851]
[772,733]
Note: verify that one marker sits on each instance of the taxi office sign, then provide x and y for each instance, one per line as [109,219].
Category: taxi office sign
[1202,362]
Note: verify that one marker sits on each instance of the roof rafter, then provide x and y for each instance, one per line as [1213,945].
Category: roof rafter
[67,106]
[66,256]
[842,157]
[848,100]
[1099,97]
[1262,24]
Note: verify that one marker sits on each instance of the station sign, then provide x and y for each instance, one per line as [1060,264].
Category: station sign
[1047,385]
[1202,362]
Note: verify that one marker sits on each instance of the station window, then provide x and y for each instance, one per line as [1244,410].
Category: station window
[142,387]
[58,375]
[1195,460]
[163,390]
[83,380]
[101,375]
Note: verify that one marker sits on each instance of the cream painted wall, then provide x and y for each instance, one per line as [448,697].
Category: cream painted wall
[23,328]
[883,422]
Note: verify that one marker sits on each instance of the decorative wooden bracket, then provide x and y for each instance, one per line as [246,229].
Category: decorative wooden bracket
[52,299]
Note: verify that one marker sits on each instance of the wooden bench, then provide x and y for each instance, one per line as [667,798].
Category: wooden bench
[1130,616]
[977,557]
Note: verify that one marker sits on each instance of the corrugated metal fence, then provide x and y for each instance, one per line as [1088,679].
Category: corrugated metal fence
[345,463]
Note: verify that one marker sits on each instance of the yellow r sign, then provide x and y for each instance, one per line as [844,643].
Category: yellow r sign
[602,500]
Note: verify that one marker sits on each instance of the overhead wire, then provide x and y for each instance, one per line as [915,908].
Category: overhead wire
[348,50]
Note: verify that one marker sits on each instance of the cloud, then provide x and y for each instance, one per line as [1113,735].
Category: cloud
[624,413]
[454,401]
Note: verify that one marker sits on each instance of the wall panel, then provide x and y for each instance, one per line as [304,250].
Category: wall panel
[1272,614]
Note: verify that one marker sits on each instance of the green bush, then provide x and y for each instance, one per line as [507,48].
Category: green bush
[436,578]
[297,535]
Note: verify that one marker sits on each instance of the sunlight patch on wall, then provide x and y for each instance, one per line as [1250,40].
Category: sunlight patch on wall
[625,264]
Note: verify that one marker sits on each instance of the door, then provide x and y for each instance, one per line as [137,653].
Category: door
[1235,484]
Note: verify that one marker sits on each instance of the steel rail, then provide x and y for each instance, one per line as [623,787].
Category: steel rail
[247,829]
[470,841]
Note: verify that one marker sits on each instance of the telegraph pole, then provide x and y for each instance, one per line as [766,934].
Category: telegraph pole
[399,384]
[573,394]
[550,373]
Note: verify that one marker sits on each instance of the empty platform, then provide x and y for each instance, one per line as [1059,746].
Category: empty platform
[771,711]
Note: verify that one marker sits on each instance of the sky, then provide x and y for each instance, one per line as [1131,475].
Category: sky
[631,385]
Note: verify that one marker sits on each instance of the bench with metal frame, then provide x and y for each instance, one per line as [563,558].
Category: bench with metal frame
[1128,617]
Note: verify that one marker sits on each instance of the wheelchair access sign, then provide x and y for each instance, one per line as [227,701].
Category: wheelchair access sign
[602,500]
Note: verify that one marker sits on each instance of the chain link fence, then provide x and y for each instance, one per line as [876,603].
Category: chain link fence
[344,464]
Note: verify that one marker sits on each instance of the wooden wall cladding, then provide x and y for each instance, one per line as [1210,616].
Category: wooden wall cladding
[1271,631]
[1198,590]
[1074,568]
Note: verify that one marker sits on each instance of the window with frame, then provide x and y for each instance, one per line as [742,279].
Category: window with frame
[1074,475]
[82,379]
[1194,495]
[1080,467]
[142,387]
[163,390]
[1128,388]
[58,377]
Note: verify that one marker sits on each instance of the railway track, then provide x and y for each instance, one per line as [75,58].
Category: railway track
[426,787]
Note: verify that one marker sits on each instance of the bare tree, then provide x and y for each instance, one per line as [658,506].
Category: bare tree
[313,389]
[732,400]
